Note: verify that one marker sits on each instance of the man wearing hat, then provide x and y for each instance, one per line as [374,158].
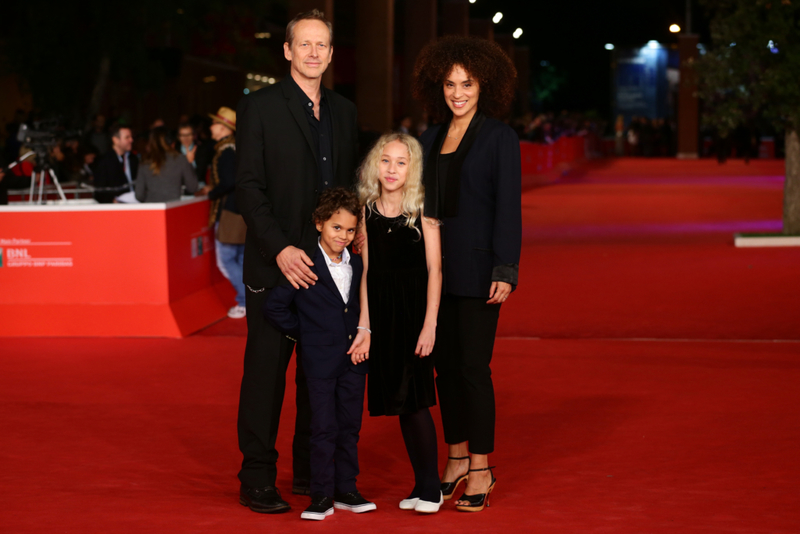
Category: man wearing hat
[296,138]
[224,216]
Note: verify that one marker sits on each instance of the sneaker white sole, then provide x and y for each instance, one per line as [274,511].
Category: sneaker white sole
[409,504]
[316,516]
[356,509]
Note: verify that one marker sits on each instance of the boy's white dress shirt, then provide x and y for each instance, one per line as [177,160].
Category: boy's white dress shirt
[342,273]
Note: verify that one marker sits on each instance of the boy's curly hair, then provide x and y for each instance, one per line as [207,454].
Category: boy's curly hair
[335,199]
[483,60]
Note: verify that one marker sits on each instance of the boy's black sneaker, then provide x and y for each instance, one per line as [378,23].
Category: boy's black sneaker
[353,502]
[321,507]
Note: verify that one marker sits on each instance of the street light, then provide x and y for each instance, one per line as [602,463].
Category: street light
[471,1]
[517,33]
[675,28]
[497,17]
[609,46]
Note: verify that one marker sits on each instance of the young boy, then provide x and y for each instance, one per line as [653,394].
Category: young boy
[333,345]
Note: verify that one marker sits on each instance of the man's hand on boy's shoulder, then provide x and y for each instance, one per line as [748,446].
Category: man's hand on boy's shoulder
[359,350]
[294,264]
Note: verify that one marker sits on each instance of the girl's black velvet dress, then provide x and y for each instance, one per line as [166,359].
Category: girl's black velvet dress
[400,382]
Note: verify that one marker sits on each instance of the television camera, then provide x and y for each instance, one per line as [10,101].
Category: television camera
[40,140]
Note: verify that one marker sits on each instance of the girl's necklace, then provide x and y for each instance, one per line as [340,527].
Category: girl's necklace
[383,211]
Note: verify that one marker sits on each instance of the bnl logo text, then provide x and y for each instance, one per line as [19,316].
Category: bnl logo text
[17,254]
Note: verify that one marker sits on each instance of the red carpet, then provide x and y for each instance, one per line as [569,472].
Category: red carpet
[683,430]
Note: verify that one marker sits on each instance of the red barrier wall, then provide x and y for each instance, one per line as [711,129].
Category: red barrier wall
[108,270]
[538,160]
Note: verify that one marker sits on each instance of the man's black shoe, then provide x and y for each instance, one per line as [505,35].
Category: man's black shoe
[301,486]
[265,500]
[353,502]
[321,507]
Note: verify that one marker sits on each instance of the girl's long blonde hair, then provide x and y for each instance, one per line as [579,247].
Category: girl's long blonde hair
[369,185]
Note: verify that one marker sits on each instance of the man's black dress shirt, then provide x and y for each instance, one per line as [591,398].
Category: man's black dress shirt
[321,134]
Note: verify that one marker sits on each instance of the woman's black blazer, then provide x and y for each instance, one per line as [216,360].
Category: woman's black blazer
[481,243]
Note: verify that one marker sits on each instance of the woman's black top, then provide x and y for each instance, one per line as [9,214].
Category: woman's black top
[444,165]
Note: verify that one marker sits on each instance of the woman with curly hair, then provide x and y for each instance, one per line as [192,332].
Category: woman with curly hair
[472,185]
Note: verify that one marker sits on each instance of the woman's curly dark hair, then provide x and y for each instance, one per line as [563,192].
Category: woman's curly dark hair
[483,60]
[335,199]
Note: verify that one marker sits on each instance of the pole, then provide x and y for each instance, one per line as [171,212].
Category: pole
[688,17]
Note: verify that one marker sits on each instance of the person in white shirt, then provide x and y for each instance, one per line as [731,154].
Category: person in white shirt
[334,341]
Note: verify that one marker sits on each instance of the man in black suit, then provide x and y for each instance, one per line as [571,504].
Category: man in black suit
[116,170]
[296,139]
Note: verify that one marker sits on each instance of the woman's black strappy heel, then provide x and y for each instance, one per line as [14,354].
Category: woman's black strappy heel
[480,501]
[449,488]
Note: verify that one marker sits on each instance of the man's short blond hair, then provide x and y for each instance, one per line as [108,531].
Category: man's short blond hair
[314,14]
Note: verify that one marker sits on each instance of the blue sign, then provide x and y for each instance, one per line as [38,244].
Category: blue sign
[640,82]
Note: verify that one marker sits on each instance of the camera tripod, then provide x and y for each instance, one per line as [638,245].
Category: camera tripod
[43,170]
[39,173]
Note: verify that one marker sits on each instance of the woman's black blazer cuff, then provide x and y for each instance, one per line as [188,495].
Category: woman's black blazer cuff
[508,273]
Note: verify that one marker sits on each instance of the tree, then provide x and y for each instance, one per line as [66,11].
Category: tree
[753,69]
[546,82]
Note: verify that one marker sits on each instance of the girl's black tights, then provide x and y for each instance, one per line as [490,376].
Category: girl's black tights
[419,434]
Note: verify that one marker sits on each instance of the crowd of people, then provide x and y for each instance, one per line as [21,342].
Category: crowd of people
[106,157]
[160,165]
[645,137]
[546,128]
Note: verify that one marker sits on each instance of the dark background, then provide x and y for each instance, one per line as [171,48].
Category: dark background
[54,51]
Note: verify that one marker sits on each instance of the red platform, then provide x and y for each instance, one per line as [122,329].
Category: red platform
[108,270]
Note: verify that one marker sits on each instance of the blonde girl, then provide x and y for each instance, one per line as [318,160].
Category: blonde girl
[400,292]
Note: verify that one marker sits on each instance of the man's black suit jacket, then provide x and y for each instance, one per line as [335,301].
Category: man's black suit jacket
[109,173]
[277,174]
[325,325]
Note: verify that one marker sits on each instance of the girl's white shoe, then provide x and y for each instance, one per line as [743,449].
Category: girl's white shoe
[428,507]
[409,504]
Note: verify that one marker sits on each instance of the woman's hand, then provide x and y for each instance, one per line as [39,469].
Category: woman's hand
[359,350]
[499,292]
[426,340]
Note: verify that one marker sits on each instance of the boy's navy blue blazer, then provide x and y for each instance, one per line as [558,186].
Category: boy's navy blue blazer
[324,324]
